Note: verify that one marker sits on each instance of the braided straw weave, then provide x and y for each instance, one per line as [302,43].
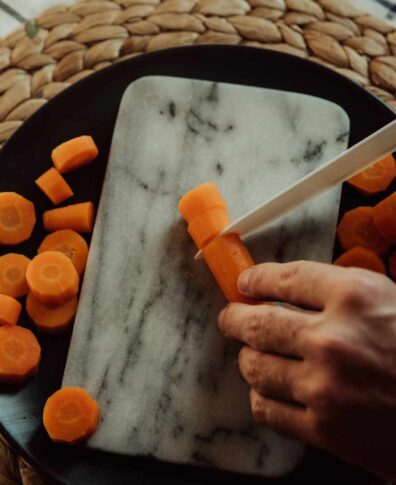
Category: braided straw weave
[67,43]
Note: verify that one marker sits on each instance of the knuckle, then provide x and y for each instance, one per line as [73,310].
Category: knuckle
[254,277]
[254,328]
[321,393]
[357,289]
[288,276]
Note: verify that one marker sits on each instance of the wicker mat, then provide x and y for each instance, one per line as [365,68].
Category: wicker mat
[67,43]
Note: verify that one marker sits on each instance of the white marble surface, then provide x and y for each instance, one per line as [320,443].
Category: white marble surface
[145,343]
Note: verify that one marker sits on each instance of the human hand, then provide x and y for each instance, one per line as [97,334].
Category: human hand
[324,369]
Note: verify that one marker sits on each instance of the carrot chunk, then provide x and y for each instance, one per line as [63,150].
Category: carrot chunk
[199,200]
[70,415]
[17,218]
[54,186]
[13,275]
[10,309]
[205,227]
[375,178]
[357,229]
[385,218]
[52,278]
[19,354]
[359,257]
[74,153]
[71,244]
[51,319]
[76,217]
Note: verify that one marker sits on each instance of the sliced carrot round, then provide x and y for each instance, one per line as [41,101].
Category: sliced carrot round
[70,415]
[200,199]
[19,354]
[17,218]
[359,257]
[357,229]
[375,178]
[10,309]
[13,275]
[52,278]
[71,244]
[385,218]
[49,318]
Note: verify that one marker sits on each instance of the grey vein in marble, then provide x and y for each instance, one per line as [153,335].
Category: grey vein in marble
[145,343]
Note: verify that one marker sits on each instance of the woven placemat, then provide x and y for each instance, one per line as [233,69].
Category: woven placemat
[67,43]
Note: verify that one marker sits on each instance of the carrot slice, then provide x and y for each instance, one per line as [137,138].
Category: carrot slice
[17,218]
[70,415]
[71,244]
[74,153]
[10,309]
[357,229]
[359,257]
[19,354]
[199,200]
[51,319]
[52,278]
[385,218]
[76,217]
[375,178]
[54,186]
[205,227]
[13,275]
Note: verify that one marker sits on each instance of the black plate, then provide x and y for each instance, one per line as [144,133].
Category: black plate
[91,107]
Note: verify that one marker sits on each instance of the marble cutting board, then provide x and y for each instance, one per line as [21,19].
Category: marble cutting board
[145,342]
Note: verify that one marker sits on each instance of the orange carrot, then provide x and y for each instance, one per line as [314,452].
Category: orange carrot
[385,218]
[17,218]
[10,309]
[205,211]
[375,178]
[70,415]
[71,244]
[359,257]
[52,278]
[54,186]
[74,153]
[76,217]
[392,265]
[51,319]
[13,275]
[357,229]
[19,354]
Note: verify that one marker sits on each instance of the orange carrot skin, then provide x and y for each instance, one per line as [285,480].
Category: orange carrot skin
[200,199]
[360,257]
[13,274]
[385,218]
[74,153]
[54,186]
[10,309]
[205,227]
[76,217]
[51,319]
[376,178]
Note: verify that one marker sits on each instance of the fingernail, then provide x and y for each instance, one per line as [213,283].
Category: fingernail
[243,281]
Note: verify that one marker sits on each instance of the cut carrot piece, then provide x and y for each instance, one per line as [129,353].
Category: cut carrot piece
[76,217]
[17,218]
[74,153]
[52,278]
[199,200]
[19,354]
[51,319]
[385,218]
[70,415]
[13,275]
[392,265]
[375,178]
[71,244]
[205,227]
[357,229]
[359,257]
[54,186]
[10,309]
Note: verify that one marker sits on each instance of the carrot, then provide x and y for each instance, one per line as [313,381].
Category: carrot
[70,415]
[375,178]
[385,218]
[10,309]
[51,319]
[76,217]
[359,257]
[392,265]
[17,218]
[13,275]
[70,244]
[52,278]
[226,255]
[357,229]
[19,354]
[74,153]
[54,186]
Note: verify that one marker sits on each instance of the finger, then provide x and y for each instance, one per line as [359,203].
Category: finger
[267,328]
[270,375]
[302,283]
[286,418]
